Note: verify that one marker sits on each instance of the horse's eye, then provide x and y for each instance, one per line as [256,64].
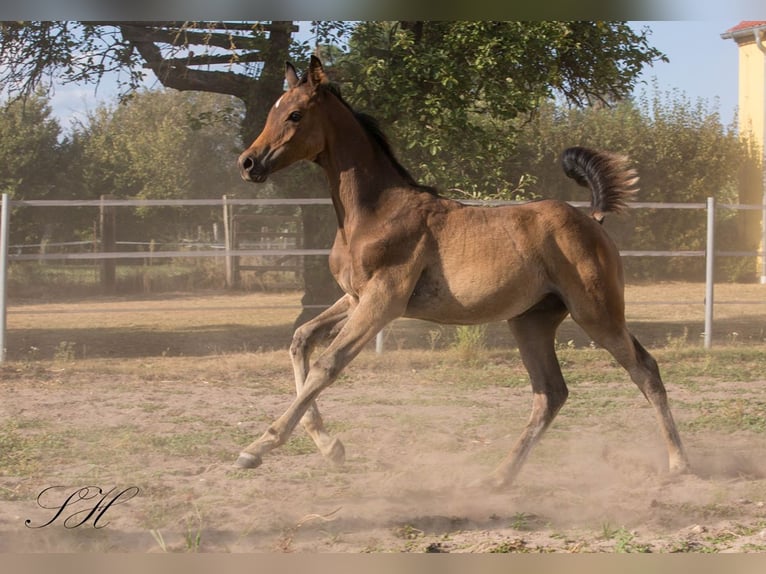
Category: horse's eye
[294,117]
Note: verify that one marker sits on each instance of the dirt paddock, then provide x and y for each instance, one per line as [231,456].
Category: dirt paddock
[137,447]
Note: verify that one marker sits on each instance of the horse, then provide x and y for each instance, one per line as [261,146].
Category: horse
[403,250]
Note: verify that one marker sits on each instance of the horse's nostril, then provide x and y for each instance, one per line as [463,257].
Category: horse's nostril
[251,168]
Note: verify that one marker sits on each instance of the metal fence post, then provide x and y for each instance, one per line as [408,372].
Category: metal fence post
[229,261]
[709,272]
[4,223]
[763,230]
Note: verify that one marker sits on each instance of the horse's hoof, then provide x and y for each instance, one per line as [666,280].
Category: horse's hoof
[337,453]
[680,468]
[247,460]
[677,475]
[492,483]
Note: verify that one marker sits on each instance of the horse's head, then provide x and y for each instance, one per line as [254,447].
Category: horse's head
[293,129]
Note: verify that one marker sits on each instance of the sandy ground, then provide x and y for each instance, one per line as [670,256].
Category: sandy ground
[163,434]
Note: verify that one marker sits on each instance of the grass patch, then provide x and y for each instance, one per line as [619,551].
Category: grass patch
[512,546]
[730,415]
[470,342]
[299,444]
[733,363]
[15,451]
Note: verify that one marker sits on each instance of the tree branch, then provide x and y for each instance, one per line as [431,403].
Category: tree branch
[184,37]
[212,60]
[172,74]
[205,25]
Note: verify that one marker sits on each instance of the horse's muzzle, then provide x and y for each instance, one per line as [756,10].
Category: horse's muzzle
[251,169]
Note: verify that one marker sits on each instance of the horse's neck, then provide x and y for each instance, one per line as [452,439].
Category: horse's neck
[359,174]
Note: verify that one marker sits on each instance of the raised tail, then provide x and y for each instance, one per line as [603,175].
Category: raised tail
[609,177]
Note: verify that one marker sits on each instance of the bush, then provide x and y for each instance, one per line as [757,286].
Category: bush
[683,154]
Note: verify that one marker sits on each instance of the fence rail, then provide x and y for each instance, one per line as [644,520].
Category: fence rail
[222,251]
[226,250]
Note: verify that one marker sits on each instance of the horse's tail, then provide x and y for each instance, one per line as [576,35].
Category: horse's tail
[609,177]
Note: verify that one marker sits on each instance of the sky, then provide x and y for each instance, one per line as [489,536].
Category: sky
[702,65]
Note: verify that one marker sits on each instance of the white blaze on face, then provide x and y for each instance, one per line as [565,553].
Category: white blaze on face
[279,101]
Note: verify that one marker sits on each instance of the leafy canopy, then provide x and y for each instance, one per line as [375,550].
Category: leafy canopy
[448,90]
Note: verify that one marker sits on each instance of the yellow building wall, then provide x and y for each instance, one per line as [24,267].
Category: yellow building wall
[751,114]
[752,68]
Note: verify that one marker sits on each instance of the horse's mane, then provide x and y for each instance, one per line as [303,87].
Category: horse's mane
[374,131]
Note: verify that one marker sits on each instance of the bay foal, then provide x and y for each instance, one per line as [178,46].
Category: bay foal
[401,250]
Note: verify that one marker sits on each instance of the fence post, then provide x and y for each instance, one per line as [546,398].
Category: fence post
[4,223]
[108,228]
[709,272]
[763,232]
[227,240]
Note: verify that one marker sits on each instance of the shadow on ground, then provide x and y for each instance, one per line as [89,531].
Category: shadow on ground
[126,342]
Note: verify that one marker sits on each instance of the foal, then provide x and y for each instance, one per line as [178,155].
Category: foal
[401,250]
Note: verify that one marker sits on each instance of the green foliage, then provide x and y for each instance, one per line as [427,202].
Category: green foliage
[155,145]
[33,163]
[625,543]
[683,154]
[449,90]
[32,51]
[161,145]
[28,146]
[65,352]
[470,342]
[730,415]
[15,454]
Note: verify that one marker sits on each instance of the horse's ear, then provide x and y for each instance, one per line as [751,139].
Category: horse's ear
[316,72]
[291,76]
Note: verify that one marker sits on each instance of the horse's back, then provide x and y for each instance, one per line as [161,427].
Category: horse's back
[495,263]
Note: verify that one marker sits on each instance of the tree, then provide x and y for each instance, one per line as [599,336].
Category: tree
[240,59]
[161,144]
[28,144]
[449,91]
[426,78]
[32,161]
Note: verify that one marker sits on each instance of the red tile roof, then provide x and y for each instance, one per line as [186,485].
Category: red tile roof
[743,28]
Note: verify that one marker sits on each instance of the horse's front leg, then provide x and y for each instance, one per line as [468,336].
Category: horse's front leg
[374,310]
[326,325]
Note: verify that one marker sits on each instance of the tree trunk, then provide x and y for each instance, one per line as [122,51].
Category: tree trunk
[319,226]
[270,85]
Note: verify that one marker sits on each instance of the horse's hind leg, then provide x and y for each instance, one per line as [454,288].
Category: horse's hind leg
[612,334]
[323,327]
[648,379]
[535,333]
